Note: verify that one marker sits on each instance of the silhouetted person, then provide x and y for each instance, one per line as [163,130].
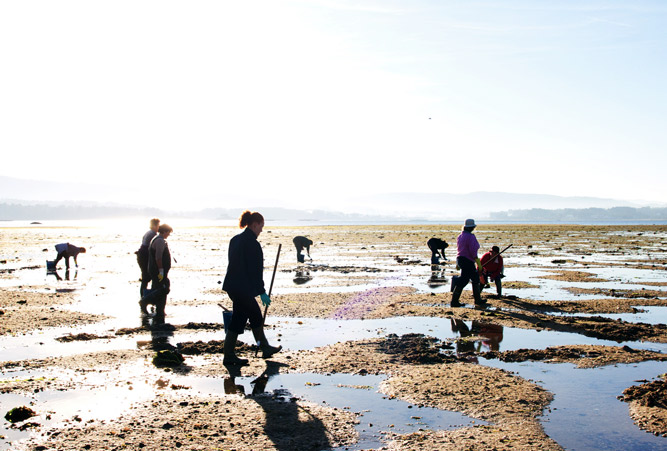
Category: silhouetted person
[142,254]
[159,264]
[301,243]
[437,247]
[66,250]
[243,282]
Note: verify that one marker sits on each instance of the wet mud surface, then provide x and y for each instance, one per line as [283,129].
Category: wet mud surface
[572,280]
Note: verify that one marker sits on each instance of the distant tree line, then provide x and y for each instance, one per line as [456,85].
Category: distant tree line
[614,214]
[43,212]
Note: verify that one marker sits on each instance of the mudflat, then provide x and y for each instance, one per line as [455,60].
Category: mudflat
[81,332]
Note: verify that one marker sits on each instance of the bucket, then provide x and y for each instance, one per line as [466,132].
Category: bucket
[227,318]
[150,295]
[50,265]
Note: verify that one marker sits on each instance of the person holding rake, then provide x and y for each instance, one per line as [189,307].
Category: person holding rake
[243,282]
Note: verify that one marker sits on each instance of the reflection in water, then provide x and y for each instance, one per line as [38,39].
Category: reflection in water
[437,278]
[302,276]
[491,336]
[258,384]
[56,274]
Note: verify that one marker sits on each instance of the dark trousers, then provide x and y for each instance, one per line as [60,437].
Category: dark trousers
[468,272]
[244,308]
[60,256]
[142,261]
[497,279]
[158,295]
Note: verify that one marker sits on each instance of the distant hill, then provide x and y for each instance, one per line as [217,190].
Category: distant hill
[603,215]
[42,200]
[62,211]
[478,204]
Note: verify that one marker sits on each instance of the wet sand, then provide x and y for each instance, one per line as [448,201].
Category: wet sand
[358,272]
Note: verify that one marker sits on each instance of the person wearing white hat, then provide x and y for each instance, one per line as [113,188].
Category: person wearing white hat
[466,259]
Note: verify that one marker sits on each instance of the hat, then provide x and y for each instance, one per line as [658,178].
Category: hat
[470,223]
[495,249]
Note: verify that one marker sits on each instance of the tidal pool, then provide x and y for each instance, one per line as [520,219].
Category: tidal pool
[585,414]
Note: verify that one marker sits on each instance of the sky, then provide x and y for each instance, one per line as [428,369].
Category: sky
[313,103]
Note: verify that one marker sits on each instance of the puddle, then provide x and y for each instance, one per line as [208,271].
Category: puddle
[138,383]
[355,393]
[100,396]
[649,314]
[588,397]
[301,334]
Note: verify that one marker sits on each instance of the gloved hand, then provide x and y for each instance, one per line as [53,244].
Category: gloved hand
[160,275]
[266,300]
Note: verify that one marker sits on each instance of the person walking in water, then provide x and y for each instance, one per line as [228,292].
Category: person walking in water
[466,259]
[159,264]
[66,250]
[142,254]
[243,282]
[301,243]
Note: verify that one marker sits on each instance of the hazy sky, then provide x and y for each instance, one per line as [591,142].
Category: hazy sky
[315,101]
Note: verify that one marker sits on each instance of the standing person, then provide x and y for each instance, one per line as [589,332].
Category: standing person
[302,242]
[493,268]
[142,254]
[466,259]
[66,250]
[243,282]
[159,264]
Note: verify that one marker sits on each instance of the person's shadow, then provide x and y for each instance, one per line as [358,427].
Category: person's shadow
[289,425]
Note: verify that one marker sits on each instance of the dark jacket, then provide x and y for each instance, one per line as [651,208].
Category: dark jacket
[246,266]
[152,262]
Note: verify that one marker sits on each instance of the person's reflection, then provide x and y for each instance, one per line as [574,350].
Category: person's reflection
[437,278]
[161,334]
[493,334]
[230,386]
[464,346]
[258,384]
[56,274]
[302,276]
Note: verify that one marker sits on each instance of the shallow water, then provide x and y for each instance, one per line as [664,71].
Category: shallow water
[585,414]
[106,283]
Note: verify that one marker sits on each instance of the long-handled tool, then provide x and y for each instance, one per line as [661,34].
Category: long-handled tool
[273,277]
[497,255]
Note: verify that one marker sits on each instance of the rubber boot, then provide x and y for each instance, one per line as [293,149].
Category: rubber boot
[143,306]
[456,295]
[230,356]
[477,294]
[499,287]
[263,343]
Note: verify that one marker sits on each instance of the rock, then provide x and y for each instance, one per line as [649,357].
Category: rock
[18,414]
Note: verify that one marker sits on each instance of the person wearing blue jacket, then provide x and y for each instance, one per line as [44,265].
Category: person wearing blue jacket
[243,282]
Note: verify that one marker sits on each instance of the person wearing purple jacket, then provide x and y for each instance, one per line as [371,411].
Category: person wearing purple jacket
[466,259]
